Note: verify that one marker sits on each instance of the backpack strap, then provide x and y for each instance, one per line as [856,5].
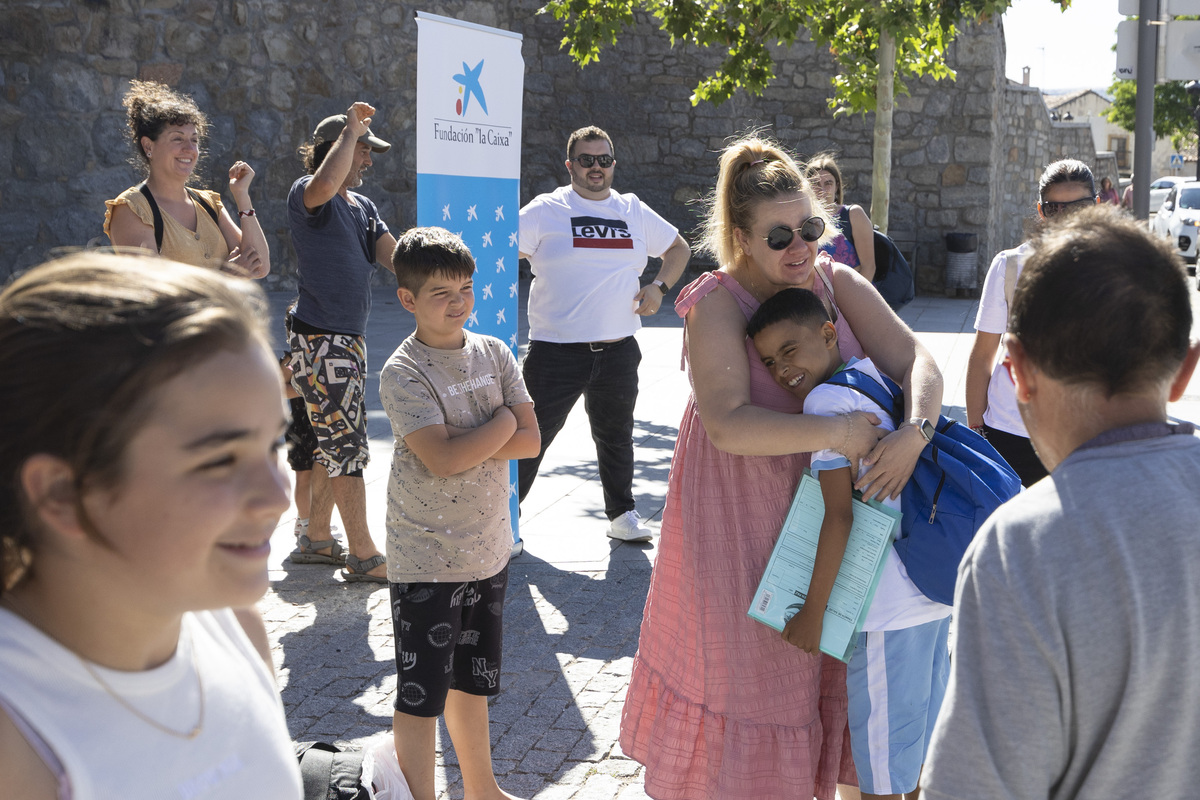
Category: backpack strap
[158,220]
[212,212]
[316,768]
[887,395]
[843,221]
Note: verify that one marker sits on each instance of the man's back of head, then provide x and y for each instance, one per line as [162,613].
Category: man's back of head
[1102,303]
[1075,608]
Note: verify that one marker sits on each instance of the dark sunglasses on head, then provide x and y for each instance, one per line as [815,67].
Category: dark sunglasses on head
[779,237]
[1053,209]
[586,160]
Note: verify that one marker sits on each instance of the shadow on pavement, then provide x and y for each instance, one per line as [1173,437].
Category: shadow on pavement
[339,667]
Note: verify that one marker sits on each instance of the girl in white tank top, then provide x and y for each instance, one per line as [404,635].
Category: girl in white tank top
[140,482]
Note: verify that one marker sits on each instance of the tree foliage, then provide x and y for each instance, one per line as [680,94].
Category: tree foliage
[744,31]
[1172,110]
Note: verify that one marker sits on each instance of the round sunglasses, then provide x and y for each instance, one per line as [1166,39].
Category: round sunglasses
[780,237]
[586,160]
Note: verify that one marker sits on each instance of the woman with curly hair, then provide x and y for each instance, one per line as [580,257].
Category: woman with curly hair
[164,214]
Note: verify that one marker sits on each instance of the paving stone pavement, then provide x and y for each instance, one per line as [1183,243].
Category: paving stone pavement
[575,597]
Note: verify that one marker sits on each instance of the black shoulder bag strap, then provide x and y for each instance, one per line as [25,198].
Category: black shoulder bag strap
[843,221]
[212,212]
[158,220]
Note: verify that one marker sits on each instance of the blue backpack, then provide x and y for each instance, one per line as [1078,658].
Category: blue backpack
[958,482]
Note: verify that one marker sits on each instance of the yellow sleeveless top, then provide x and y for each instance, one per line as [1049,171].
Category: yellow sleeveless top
[205,247]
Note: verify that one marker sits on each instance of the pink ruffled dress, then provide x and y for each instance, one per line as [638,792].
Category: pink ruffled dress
[719,706]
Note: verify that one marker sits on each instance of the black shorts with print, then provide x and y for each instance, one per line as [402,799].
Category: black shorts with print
[301,439]
[448,636]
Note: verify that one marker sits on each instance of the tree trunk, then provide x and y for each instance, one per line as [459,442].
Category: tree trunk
[881,175]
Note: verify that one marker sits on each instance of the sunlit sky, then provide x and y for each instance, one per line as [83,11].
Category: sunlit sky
[1064,50]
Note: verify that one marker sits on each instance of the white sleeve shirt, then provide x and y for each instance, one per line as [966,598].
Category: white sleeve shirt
[1001,412]
[587,257]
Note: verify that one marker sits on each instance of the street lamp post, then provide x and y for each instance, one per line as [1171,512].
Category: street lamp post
[1193,89]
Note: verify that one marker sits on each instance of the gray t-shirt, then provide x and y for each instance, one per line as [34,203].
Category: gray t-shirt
[1077,635]
[456,528]
[332,270]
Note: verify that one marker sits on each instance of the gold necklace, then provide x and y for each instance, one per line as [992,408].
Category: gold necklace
[192,734]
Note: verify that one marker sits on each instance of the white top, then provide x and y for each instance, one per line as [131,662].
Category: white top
[451,529]
[898,603]
[242,750]
[587,257]
[1001,412]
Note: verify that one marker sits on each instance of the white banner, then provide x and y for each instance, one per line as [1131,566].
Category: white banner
[470,81]
[469,85]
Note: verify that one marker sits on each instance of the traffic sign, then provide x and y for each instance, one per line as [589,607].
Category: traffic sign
[1127,35]
[1182,50]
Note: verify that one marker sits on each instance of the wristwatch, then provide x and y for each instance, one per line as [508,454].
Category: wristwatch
[662,286]
[924,426]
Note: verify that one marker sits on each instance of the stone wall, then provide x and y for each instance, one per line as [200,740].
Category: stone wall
[267,70]
[1028,142]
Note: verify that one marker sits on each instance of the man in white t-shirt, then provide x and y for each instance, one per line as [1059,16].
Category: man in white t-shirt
[587,246]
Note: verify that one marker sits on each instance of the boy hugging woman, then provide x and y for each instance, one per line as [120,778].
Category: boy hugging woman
[897,676]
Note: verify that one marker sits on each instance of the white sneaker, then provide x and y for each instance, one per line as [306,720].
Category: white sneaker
[629,528]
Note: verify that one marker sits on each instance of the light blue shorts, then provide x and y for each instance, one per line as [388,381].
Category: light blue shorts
[896,681]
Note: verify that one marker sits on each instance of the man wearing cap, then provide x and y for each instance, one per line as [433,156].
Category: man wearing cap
[339,237]
[587,246]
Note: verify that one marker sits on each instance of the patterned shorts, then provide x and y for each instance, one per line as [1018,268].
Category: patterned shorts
[329,372]
[448,636]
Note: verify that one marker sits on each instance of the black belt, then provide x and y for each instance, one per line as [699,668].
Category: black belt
[594,347]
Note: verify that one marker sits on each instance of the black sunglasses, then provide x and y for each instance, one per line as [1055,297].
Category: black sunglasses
[779,237]
[1053,209]
[586,160]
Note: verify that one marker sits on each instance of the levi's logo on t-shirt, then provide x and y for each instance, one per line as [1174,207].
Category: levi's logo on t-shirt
[610,234]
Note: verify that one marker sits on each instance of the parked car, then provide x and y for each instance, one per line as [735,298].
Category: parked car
[1178,218]
[1159,189]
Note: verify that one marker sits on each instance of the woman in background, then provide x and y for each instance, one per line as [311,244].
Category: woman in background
[167,132]
[1108,193]
[992,411]
[853,244]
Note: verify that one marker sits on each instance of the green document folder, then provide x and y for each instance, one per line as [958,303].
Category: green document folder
[784,585]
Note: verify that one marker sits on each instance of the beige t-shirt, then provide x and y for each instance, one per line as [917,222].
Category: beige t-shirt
[204,247]
[447,529]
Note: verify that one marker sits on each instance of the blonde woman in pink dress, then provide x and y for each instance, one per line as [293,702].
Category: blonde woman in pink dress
[719,706]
